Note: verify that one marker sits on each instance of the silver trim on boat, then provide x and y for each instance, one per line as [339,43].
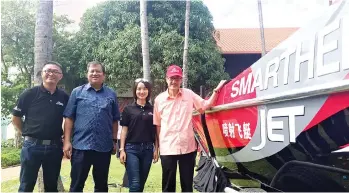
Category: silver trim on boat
[322,89]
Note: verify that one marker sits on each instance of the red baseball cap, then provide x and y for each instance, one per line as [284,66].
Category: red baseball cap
[174,70]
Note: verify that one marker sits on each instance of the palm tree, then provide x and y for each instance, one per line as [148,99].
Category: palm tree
[261,28]
[43,54]
[43,37]
[145,39]
[186,40]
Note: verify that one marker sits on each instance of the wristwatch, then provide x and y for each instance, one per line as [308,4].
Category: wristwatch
[121,149]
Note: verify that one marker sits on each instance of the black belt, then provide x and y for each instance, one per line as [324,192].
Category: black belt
[42,141]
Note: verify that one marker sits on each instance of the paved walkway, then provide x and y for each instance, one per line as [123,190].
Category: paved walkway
[12,173]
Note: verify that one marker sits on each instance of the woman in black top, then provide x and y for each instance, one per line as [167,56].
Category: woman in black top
[138,145]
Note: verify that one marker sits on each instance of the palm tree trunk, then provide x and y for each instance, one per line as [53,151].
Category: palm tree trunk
[40,182]
[261,27]
[18,140]
[43,37]
[186,42]
[145,39]
[43,54]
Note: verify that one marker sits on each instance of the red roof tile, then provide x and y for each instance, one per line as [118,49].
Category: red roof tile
[248,40]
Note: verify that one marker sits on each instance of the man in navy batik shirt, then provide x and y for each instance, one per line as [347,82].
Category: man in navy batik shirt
[92,116]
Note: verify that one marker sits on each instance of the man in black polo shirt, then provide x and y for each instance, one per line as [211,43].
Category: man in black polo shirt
[42,106]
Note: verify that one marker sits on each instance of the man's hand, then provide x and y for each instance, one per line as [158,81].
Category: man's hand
[114,149]
[220,85]
[122,157]
[67,149]
[19,133]
[155,156]
[17,123]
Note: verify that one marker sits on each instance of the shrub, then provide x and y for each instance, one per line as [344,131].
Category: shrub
[10,143]
[10,157]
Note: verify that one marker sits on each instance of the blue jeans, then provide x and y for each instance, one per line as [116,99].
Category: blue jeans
[34,155]
[81,162]
[139,157]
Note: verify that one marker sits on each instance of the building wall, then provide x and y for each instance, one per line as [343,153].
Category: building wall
[7,130]
[237,63]
[123,102]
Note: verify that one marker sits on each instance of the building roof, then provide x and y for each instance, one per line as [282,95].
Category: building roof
[248,40]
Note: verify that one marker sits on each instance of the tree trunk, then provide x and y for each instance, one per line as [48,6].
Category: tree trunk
[43,54]
[186,42]
[145,39]
[18,140]
[40,181]
[43,37]
[60,186]
[261,27]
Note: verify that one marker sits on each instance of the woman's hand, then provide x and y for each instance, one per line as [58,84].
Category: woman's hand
[122,157]
[156,155]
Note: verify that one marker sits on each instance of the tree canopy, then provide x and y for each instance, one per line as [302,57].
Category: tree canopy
[110,32]
[17,51]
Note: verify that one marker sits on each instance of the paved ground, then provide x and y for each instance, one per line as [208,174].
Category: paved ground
[12,173]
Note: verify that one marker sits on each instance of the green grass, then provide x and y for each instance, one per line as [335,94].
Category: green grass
[116,173]
[10,186]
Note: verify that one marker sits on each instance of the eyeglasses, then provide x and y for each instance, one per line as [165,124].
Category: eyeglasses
[95,71]
[141,80]
[55,72]
[174,78]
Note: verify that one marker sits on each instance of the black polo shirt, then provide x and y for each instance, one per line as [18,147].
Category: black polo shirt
[139,121]
[43,112]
